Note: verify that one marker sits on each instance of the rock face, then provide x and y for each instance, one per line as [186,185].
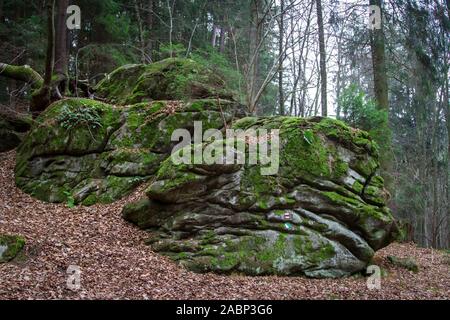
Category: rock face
[89,151]
[322,215]
[12,130]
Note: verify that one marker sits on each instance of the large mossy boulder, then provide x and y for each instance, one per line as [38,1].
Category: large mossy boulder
[323,214]
[169,79]
[92,152]
[87,151]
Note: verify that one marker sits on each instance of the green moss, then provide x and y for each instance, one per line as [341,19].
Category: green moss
[209,237]
[169,79]
[245,123]
[361,208]
[340,199]
[274,252]
[374,195]
[365,165]
[10,246]
[225,262]
[354,138]
[358,187]
[180,256]
[314,253]
[117,187]
[407,263]
[90,200]
[311,156]
[340,167]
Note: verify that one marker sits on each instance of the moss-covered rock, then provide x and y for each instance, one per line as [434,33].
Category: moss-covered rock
[169,79]
[322,213]
[97,152]
[13,128]
[407,263]
[10,246]
[316,206]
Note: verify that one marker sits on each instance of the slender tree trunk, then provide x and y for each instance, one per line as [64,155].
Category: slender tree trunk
[222,38]
[61,45]
[42,97]
[322,53]
[49,57]
[379,62]
[280,68]
[170,9]
[140,24]
[12,93]
[255,38]
[447,116]
[214,36]
[380,83]
[447,182]
[150,29]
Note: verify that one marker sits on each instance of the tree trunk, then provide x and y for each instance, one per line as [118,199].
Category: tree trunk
[323,68]
[379,62]
[141,30]
[22,73]
[255,38]
[1,11]
[447,182]
[42,97]
[381,93]
[214,36]
[61,45]
[150,30]
[280,68]
[222,39]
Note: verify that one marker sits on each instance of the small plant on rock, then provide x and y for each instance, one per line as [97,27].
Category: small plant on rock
[71,118]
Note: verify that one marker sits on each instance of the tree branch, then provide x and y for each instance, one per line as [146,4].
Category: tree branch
[22,73]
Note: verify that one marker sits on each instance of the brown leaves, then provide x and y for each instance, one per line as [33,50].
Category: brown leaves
[115,263]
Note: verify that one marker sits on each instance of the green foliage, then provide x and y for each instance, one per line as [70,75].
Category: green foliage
[221,65]
[176,50]
[69,199]
[308,136]
[78,116]
[361,112]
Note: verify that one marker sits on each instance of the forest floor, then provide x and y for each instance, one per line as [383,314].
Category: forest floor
[116,264]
